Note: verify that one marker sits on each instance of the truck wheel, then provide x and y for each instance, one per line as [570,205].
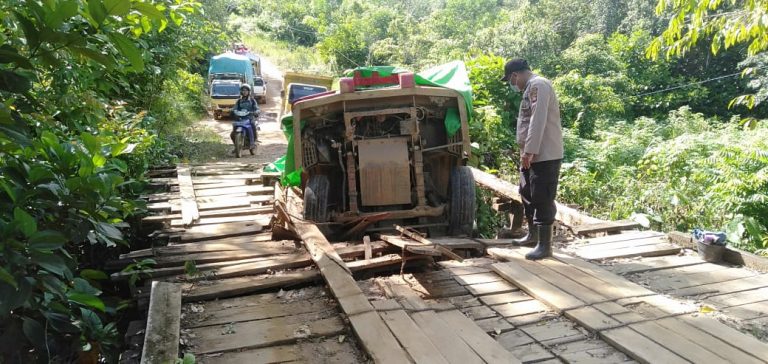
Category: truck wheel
[316,198]
[462,209]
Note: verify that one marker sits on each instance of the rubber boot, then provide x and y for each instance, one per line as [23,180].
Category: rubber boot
[529,239]
[544,248]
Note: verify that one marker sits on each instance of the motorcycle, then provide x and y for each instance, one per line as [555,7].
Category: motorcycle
[244,134]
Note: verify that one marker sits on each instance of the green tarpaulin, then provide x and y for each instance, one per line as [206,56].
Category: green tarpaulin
[451,75]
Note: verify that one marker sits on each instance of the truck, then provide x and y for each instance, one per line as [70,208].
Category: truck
[224,94]
[384,155]
[298,85]
[231,67]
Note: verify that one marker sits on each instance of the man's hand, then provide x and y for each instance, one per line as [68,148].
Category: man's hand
[525,160]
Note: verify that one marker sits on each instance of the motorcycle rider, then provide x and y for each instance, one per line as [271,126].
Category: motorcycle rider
[246,102]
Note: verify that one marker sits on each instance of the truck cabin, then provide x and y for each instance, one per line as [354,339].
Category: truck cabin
[225,90]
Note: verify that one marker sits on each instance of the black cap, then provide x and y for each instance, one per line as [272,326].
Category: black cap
[515,65]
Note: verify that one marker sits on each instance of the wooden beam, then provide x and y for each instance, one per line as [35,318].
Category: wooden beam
[373,333]
[605,227]
[161,340]
[189,213]
[565,214]
[414,248]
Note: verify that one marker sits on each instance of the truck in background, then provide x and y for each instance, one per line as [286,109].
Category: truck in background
[298,85]
[224,94]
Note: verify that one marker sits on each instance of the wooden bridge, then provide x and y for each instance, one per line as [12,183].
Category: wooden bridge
[240,278]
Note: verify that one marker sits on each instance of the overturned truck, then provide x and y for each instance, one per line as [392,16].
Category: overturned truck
[386,149]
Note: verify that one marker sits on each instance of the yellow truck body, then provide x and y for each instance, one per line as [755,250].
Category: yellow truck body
[293,81]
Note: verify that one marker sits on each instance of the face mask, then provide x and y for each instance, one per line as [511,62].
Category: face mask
[513,86]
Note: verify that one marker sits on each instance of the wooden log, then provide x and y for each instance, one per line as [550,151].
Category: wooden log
[161,340]
[567,215]
[189,213]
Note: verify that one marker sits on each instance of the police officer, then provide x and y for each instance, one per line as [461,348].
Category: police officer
[540,138]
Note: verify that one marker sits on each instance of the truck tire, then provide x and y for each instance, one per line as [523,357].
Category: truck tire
[316,198]
[463,204]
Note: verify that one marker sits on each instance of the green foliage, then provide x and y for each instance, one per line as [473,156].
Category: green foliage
[79,127]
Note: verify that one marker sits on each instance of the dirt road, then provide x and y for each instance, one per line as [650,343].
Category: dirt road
[272,143]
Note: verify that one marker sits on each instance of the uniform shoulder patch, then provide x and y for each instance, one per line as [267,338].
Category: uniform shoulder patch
[534,94]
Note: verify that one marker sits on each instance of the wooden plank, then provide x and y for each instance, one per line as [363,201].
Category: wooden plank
[212,213]
[161,339]
[733,286]
[255,251]
[478,278]
[640,347]
[740,298]
[585,279]
[630,252]
[605,227]
[374,336]
[272,354]
[243,285]
[262,333]
[618,282]
[229,244]
[249,189]
[624,236]
[189,213]
[477,312]
[650,264]
[487,348]
[592,319]
[445,338]
[412,247]
[552,273]
[537,287]
[491,288]
[502,298]
[680,344]
[520,308]
[672,281]
[259,311]
[621,244]
[415,342]
[445,251]
[712,343]
[221,231]
[744,342]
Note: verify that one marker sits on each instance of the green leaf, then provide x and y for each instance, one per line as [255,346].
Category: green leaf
[93,274]
[25,221]
[149,10]
[64,11]
[98,160]
[30,31]
[189,358]
[117,7]
[52,263]
[47,240]
[97,12]
[8,278]
[34,332]
[128,49]
[91,143]
[9,54]
[109,231]
[87,300]
[97,56]
[14,82]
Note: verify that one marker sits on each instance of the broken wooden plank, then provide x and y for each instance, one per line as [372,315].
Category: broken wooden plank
[161,339]
[605,227]
[225,230]
[212,213]
[252,242]
[409,246]
[189,213]
[650,264]
[257,311]
[415,236]
[248,189]
[262,218]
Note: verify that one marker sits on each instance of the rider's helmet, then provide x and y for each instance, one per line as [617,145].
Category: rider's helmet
[245,87]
